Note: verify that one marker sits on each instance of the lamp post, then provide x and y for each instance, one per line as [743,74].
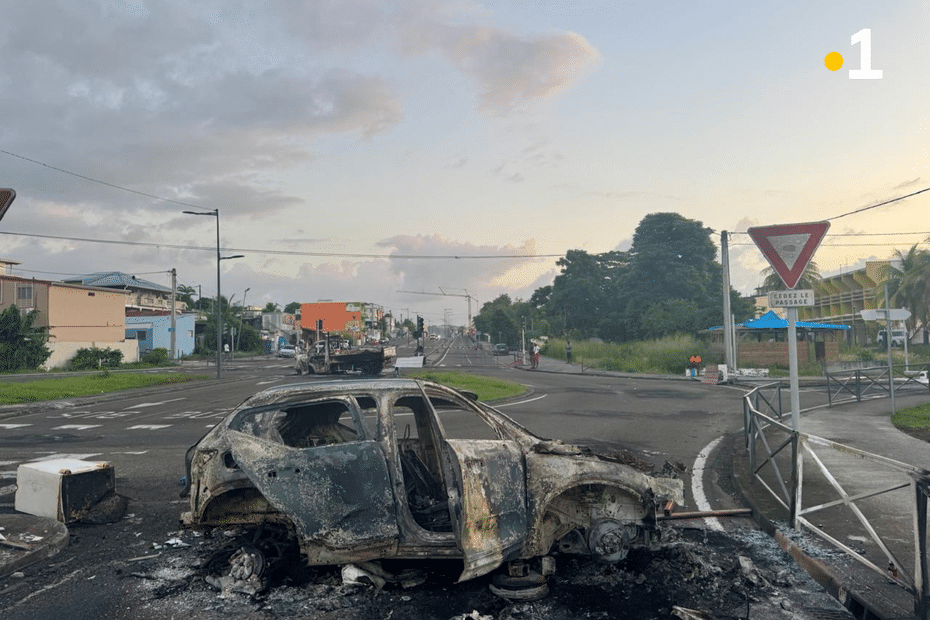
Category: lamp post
[219,323]
[239,333]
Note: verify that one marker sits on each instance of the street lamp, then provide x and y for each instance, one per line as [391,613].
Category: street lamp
[219,334]
[239,333]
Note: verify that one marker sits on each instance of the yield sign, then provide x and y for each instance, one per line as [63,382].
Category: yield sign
[6,199]
[789,247]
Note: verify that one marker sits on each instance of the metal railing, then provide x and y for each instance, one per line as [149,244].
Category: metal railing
[863,383]
[778,456]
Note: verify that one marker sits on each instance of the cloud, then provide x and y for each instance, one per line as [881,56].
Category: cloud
[506,68]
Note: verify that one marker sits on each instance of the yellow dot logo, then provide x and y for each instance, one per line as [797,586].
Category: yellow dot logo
[833,61]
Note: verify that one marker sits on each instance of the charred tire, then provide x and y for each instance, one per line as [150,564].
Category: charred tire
[521,594]
[532,580]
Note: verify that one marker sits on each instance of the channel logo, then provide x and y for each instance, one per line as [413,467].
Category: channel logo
[834,60]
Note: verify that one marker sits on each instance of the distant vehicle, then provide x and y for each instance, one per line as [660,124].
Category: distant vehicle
[434,336]
[922,377]
[287,351]
[501,349]
[897,337]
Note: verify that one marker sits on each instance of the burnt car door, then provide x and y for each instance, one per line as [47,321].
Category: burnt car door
[488,499]
[316,462]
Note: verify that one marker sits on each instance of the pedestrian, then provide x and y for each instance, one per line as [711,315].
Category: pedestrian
[535,357]
[568,351]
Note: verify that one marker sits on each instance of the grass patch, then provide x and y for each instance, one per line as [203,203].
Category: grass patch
[485,387]
[666,356]
[49,389]
[912,417]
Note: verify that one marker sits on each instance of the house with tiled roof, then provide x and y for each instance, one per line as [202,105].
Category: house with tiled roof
[143,295]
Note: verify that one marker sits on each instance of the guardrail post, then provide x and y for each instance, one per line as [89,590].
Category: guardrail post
[781,408]
[858,386]
[797,465]
[922,604]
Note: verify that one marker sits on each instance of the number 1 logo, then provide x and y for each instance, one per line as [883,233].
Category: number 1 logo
[864,39]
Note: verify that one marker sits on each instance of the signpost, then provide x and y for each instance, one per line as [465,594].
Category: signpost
[788,248]
[889,315]
[7,196]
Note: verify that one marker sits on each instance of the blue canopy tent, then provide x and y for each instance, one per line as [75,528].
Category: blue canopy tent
[764,340]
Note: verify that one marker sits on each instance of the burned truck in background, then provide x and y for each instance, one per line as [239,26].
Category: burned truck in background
[364,470]
[330,356]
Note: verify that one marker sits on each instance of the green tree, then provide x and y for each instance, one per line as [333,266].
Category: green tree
[909,286]
[810,278]
[271,307]
[186,294]
[22,345]
[293,307]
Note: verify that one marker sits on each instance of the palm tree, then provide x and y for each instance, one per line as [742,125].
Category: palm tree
[809,277]
[909,285]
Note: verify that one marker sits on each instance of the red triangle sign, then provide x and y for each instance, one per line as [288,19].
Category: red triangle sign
[789,247]
[6,199]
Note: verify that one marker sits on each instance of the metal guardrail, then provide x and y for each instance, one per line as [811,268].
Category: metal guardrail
[775,450]
[861,383]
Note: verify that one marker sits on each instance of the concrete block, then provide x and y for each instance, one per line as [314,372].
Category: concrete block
[62,489]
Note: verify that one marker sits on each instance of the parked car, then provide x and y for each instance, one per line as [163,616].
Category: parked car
[351,471]
[501,349]
[287,351]
[897,337]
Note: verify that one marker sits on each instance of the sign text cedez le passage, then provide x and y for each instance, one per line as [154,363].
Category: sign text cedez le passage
[785,299]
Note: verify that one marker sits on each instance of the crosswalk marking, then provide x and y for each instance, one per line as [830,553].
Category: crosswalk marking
[147,427]
[163,402]
[75,427]
[12,426]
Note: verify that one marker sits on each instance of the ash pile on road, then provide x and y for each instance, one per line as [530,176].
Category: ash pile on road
[695,574]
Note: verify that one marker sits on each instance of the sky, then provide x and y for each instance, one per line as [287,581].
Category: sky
[356,149]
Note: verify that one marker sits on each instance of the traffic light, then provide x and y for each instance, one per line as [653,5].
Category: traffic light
[419,326]
[319,324]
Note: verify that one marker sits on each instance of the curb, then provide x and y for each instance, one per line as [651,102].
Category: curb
[55,537]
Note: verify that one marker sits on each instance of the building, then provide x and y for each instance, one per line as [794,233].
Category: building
[336,316]
[77,316]
[152,331]
[143,295]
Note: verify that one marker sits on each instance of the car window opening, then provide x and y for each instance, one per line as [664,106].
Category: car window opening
[425,491]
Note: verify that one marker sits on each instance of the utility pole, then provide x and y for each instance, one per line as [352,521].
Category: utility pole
[728,352]
[174,321]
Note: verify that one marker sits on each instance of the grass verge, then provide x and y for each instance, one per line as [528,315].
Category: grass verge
[912,417]
[49,389]
[485,387]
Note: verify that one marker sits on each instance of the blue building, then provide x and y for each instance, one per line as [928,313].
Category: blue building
[154,332]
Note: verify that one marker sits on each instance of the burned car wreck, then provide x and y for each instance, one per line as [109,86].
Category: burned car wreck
[408,469]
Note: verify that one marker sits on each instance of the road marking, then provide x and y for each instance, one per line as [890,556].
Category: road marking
[10,427]
[697,484]
[136,453]
[163,402]
[5,463]
[267,382]
[520,402]
[109,415]
[75,427]
[54,455]
[147,427]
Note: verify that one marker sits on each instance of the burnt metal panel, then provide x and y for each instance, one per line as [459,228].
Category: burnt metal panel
[338,495]
[493,523]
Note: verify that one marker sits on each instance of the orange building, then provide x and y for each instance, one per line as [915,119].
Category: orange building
[337,316]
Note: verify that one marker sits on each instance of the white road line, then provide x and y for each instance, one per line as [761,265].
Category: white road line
[521,402]
[147,427]
[75,427]
[10,427]
[697,484]
[54,455]
[163,402]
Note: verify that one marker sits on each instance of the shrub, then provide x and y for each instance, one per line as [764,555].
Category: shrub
[155,357]
[94,358]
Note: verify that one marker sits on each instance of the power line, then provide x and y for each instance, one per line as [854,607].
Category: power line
[93,180]
[881,204]
[283,252]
